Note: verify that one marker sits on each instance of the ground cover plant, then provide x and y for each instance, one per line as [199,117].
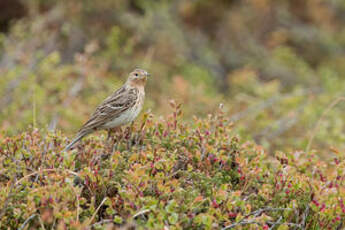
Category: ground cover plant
[165,173]
[275,65]
[271,158]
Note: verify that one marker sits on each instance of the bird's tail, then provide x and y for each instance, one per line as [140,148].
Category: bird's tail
[75,140]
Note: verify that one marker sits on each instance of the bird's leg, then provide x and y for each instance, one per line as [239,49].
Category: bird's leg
[109,134]
[110,138]
[128,136]
[138,135]
[111,131]
[118,137]
[133,139]
[115,133]
[119,132]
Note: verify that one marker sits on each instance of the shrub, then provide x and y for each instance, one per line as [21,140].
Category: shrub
[276,65]
[166,173]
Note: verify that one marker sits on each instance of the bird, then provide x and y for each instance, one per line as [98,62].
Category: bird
[120,108]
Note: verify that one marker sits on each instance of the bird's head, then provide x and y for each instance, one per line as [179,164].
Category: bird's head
[137,78]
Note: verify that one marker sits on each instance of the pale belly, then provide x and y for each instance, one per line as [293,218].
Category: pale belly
[125,118]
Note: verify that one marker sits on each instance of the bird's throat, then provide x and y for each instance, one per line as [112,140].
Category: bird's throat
[138,83]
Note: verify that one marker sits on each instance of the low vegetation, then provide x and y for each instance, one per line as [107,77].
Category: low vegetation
[166,173]
[272,158]
[275,65]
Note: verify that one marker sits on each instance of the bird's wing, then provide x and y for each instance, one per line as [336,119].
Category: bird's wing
[112,107]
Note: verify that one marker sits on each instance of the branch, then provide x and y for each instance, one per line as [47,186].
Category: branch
[256,213]
[141,213]
[305,215]
[241,223]
[95,213]
[106,221]
[46,170]
[288,224]
[276,223]
[27,221]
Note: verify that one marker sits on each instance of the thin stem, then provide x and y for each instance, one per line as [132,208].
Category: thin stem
[95,213]
[317,126]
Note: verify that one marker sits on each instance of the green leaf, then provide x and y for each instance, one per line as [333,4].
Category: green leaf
[173,218]
[110,211]
[171,207]
[118,220]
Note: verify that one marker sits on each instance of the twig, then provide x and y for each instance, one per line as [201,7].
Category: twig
[27,221]
[95,213]
[41,222]
[245,222]
[260,211]
[141,213]
[54,222]
[46,170]
[276,223]
[317,126]
[256,213]
[102,222]
[305,215]
[288,224]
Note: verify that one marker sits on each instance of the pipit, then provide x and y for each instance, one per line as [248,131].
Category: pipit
[120,108]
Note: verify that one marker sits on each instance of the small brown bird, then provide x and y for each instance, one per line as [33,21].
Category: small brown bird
[120,108]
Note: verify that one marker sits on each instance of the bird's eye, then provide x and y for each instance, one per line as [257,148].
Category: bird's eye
[136,74]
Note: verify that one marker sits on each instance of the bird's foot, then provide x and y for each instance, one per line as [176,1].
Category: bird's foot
[115,136]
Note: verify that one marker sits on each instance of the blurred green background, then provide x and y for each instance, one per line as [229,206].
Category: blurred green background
[276,65]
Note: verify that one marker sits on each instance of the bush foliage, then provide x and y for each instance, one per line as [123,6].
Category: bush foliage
[278,68]
[275,65]
[165,173]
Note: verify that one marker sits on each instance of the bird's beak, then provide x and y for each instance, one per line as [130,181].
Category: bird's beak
[147,74]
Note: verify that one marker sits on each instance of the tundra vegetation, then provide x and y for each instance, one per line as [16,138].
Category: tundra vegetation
[270,157]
